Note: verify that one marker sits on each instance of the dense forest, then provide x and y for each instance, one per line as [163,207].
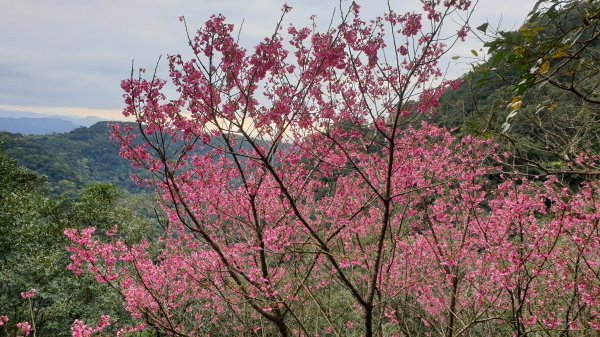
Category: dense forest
[215,254]
[71,160]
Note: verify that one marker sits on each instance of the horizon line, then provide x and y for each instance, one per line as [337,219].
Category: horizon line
[78,112]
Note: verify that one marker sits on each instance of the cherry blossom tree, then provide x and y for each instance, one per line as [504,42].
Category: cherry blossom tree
[304,197]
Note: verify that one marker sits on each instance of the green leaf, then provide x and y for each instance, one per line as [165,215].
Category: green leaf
[474,52]
[552,12]
[483,27]
[535,8]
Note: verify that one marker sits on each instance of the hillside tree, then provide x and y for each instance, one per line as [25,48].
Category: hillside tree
[321,210]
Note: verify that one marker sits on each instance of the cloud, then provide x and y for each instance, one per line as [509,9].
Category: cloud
[69,53]
[108,114]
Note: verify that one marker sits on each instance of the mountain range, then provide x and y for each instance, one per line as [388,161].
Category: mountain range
[31,123]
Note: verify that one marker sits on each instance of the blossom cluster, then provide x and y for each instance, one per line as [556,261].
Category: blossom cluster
[23,329]
[28,294]
[79,329]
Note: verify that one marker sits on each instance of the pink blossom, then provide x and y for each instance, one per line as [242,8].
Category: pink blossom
[28,294]
[24,328]
[80,329]
[462,33]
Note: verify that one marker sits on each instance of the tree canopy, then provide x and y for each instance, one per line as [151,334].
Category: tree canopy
[324,209]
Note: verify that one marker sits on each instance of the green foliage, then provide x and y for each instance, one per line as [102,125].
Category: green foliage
[32,253]
[558,45]
[537,94]
[72,160]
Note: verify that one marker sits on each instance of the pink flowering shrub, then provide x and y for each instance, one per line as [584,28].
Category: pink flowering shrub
[303,199]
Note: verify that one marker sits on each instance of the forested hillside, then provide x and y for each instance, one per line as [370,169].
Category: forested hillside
[74,159]
[71,160]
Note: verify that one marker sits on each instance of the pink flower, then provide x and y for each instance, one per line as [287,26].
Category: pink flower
[103,323]
[28,294]
[79,329]
[462,33]
[24,328]
[454,85]
[403,50]
[3,320]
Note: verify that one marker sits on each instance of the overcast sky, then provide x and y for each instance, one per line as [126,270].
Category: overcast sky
[68,56]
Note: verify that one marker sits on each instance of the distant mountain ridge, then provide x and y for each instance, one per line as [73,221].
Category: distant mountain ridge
[31,123]
[36,126]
